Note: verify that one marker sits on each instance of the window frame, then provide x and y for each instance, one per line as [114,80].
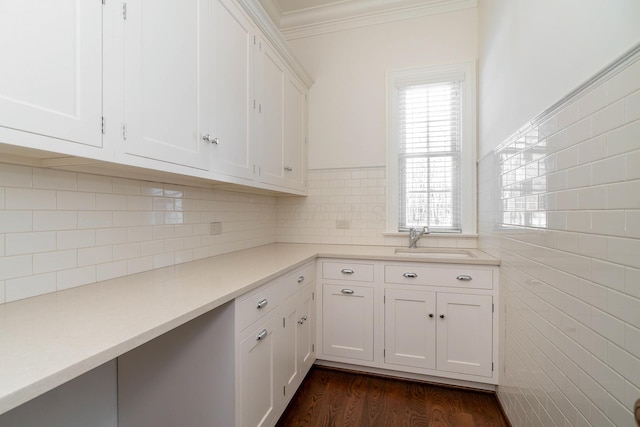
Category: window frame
[466,73]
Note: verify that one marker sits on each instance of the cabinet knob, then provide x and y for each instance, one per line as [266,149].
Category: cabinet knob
[300,279]
[347,291]
[262,335]
[262,304]
[464,277]
[410,275]
[431,315]
[288,168]
[442,316]
[347,271]
[208,138]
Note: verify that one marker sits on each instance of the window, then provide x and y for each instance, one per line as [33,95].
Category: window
[431,149]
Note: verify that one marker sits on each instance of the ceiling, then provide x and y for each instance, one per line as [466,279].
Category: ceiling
[300,18]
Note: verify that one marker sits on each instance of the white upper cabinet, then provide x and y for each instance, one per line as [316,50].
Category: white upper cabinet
[295,132]
[232,42]
[166,64]
[270,125]
[51,72]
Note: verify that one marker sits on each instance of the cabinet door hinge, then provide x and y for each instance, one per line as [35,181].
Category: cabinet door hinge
[124,11]
[124,131]
[103,126]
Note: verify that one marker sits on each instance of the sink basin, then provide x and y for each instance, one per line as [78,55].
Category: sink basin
[435,253]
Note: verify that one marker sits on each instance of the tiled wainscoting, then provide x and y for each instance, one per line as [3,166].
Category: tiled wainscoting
[347,206]
[62,229]
[560,205]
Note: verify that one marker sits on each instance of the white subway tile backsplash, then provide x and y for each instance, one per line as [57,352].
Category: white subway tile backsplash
[29,199]
[94,183]
[16,221]
[54,261]
[16,176]
[633,107]
[76,239]
[95,255]
[27,243]
[111,270]
[75,277]
[610,118]
[54,220]
[54,179]
[29,286]
[94,219]
[15,266]
[73,200]
[579,288]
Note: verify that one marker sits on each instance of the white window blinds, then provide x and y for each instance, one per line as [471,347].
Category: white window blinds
[429,156]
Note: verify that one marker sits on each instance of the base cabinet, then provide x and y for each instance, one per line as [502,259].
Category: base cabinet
[347,325]
[420,318]
[277,349]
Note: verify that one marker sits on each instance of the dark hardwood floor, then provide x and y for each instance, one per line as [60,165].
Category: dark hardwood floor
[330,397]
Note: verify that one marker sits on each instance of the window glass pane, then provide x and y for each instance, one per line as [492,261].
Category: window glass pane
[429,158]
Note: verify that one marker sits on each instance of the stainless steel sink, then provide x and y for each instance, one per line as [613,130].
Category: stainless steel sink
[435,253]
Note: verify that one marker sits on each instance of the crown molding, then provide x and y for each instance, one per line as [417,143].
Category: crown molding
[351,15]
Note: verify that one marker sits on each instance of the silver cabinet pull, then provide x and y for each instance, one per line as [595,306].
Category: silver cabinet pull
[431,315]
[347,271]
[262,304]
[208,138]
[442,316]
[410,275]
[288,168]
[262,335]
[347,291]
[300,279]
[464,277]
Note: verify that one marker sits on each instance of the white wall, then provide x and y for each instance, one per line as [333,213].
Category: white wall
[347,101]
[534,52]
[560,205]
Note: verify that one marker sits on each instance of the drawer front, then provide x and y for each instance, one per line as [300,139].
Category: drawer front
[258,303]
[297,279]
[347,271]
[458,276]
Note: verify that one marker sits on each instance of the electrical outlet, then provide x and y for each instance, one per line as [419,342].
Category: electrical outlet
[216,228]
[343,224]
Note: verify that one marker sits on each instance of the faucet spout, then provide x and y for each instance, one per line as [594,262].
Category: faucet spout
[415,235]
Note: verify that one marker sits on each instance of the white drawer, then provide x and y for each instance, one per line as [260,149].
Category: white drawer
[258,303]
[457,276]
[351,271]
[297,279]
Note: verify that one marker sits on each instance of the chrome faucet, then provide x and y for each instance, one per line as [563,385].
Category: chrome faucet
[415,235]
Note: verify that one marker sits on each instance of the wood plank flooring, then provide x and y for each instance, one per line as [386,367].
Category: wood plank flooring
[330,397]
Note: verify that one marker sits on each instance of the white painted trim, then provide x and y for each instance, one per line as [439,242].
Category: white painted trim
[469,142]
[346,16]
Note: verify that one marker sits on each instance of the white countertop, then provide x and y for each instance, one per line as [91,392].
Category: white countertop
[47,340]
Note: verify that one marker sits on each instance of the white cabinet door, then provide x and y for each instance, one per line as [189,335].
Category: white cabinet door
[465,334]
[270,131]
[166,63]
[257,382]
[51,72]
[232,97]
[295,115]
[306,325]
[347,321]
[295,347]
[410,328]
